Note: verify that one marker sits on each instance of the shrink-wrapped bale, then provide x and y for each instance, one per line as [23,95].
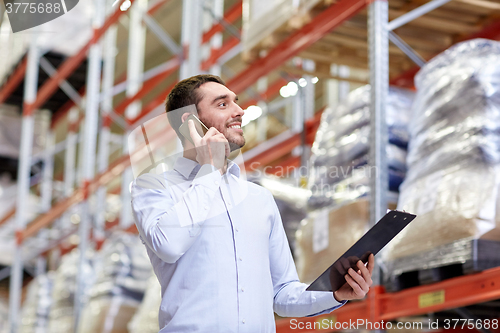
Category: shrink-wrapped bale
[36,307]
[122,270]
[456,115]
[145,319]
[454,152]
[61,316]
[340,151]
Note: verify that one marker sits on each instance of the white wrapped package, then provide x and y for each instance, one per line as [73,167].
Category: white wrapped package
[122,271]
[454,151]
[145,319]
[451,204]
[456,114]
[61,317]
[36,307]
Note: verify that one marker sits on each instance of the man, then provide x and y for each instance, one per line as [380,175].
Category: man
[216,241]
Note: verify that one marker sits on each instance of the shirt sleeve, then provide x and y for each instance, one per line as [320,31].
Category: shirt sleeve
[170,226]
[290,296]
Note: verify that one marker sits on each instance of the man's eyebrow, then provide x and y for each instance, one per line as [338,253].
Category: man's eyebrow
[220,97]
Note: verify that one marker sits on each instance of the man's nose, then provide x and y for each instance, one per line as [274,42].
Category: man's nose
[238,111]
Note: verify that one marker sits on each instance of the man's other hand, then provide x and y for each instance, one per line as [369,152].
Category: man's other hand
[358,283]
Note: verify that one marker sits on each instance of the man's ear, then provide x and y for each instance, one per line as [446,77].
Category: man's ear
[184,116]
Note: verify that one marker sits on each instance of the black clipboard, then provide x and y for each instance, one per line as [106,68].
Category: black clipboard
[372,242]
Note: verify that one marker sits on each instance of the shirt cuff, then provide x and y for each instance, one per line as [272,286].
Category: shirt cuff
[327,302]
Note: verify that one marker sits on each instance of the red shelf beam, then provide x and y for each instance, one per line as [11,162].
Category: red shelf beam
[13,81]
[491,31]
[114,170]
[230,16]
[323,23]
[456,292]
[69,65]
[273,153]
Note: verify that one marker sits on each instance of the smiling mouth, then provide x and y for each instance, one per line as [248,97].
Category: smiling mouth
[235,126]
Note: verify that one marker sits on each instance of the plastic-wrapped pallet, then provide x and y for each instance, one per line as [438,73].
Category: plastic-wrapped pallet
[145,319]
[454,153]
[122,271]
[36,307]
[61,317]
[340,150]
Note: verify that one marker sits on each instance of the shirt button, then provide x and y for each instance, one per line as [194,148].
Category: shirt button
[216,182]
[206,207]
[236,229]
[243,321]
[240,259]
[242,290]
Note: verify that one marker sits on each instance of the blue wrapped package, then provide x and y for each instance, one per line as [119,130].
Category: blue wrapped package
[341,147]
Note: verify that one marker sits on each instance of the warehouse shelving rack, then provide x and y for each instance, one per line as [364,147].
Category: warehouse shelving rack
[379,305]
[453,293]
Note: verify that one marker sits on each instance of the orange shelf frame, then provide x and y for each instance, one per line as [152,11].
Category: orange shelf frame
[449,294]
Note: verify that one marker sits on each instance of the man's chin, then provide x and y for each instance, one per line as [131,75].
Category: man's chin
[235,146]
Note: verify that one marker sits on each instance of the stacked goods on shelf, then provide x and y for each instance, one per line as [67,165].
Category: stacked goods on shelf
[122,271]
[4,315]
[36,307]
[145,319]
[61,316]
[339,181]
[327,233]
[339,171]
[454,152]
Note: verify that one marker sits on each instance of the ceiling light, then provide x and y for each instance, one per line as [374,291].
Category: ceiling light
[284,92]
[293,88]
[302,82]
[125,5]
[251,113]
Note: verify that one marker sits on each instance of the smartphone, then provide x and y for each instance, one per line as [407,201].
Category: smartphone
[200,127]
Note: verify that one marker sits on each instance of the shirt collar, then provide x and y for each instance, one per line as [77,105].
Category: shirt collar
[186,167]
[233,168]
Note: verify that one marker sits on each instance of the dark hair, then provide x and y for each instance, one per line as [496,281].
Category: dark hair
[185,93]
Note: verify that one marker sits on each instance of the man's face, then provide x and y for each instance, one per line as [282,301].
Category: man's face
[218,109]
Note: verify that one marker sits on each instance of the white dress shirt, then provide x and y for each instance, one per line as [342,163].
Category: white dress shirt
[219,250]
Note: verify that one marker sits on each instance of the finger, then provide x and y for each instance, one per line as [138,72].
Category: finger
[193,132]
[371,263]
[365,273]
[355,287]
[359,280]
[212,131]
[217,138]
